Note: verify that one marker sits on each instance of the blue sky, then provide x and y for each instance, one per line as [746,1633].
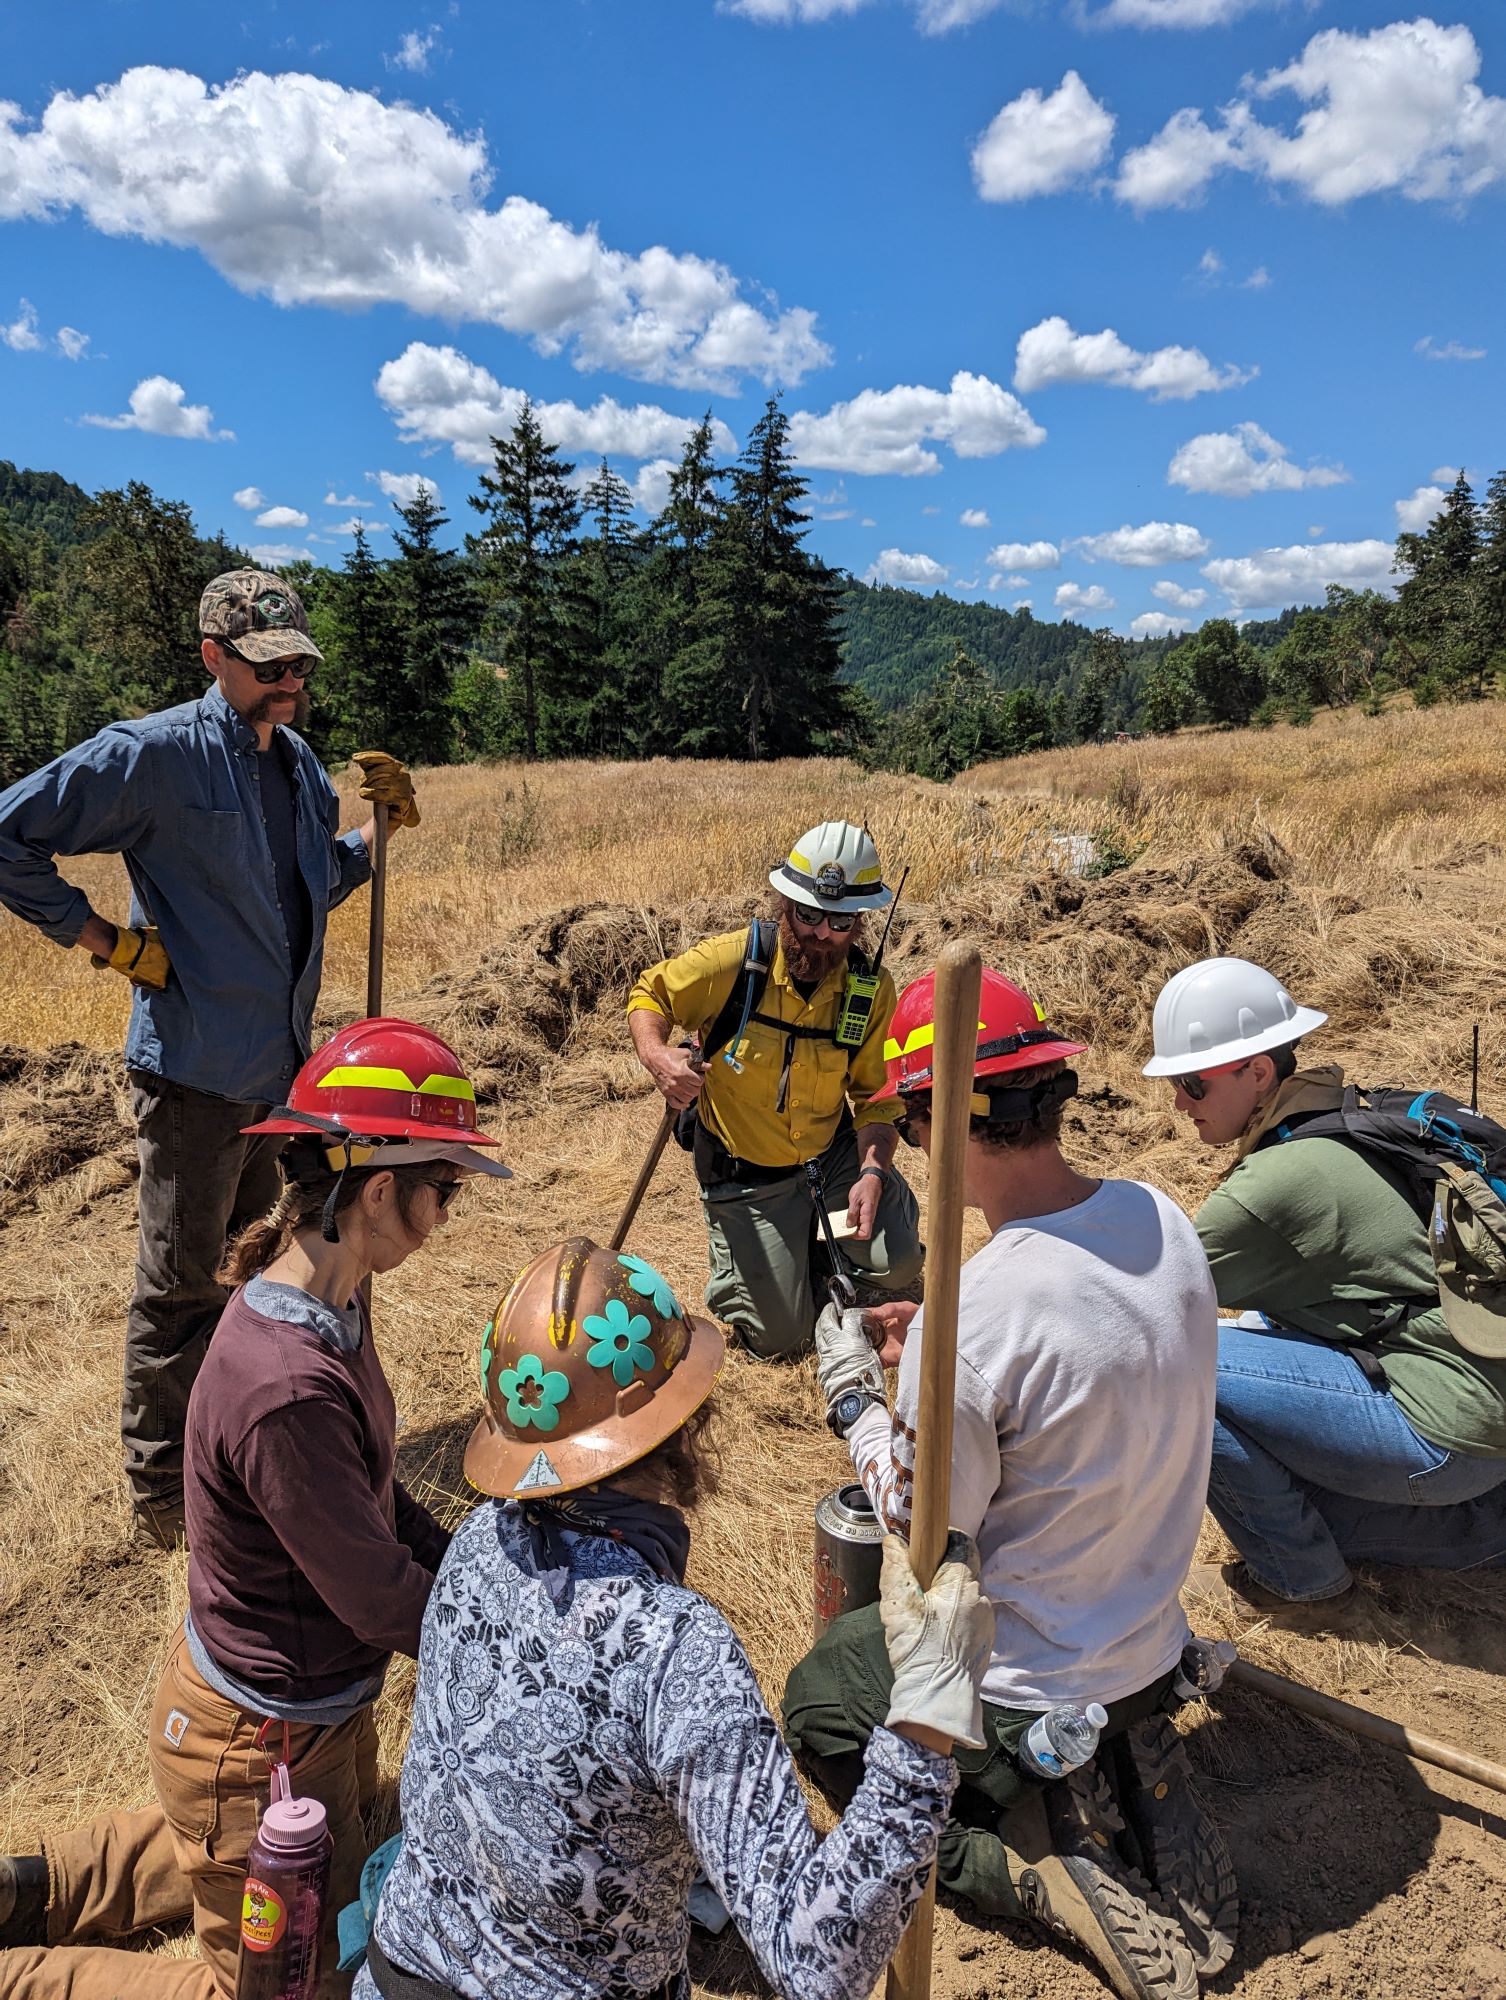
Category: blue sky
[1141,311]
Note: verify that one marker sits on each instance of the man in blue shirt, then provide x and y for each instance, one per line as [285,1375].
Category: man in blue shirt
[228,826]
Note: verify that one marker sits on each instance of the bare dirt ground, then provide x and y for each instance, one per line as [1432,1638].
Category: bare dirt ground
[1363,1876]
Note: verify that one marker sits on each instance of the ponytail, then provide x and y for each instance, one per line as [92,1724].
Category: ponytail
[301,1206]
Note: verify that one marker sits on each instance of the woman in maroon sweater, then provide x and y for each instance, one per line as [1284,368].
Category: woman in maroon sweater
[309,1564]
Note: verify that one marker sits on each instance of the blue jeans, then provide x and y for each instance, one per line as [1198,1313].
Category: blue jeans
[1313,1465]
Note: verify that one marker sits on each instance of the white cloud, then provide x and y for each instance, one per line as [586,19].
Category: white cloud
[1272,578]
[930,510]
[1258,280]
[1397,110]
[1025,555]
[156,405]
[72,344]
[882,430]
[1176,13]
[975,517]
[894,566]
[651,487]
[965,583]
[251,498]
[282,517]
[937,17]
[272,555]
[349,527]
[868,522]
[1448,350]
[1174,594]
[1160,624]
[1445,475]
[1015,583]
[333,499]
[437,395]
[783,12]
[414,50]
[1040,145]
[1023,604]
[1146,547]
[308,193]
[22,334]
[1074,599]
[1413,515]
[402,488]
[1243,461]
[1315,532]
[1052,352]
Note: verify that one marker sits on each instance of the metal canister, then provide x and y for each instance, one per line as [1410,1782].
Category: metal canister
[848,1554]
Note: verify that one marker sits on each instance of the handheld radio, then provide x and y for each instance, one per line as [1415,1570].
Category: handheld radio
[862,988]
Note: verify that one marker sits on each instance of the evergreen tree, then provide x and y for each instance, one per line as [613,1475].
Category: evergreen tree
[142,571]
[434,615]
[1490,576]
[533,610]
[361,704]
[773,608]
[1097,688]
[1440,628]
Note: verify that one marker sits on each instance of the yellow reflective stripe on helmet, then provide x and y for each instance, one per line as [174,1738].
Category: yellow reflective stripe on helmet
[918,1038]
[447,1086]
[873,874]
[798,860]
[362,1076]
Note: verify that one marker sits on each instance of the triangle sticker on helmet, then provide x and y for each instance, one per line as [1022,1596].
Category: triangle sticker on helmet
[540,1473]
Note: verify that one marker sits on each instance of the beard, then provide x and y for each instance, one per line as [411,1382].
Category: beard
[275,708]
[808,957]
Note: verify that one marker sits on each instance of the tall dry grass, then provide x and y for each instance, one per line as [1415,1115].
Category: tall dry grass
[517,913]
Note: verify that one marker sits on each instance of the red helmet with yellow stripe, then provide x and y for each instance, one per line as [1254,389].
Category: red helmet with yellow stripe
[1012,1035]
[382,1079]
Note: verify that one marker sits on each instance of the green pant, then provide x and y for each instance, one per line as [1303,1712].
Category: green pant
[761,1240]
[839,1694]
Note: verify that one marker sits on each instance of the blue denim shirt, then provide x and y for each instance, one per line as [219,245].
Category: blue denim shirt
[176,795]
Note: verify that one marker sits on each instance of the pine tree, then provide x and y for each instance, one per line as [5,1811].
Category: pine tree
[434,615]
[1490,575]
[362,702]
[143,571]
[772,608]
[613,710]
[532,603]
[1440,626]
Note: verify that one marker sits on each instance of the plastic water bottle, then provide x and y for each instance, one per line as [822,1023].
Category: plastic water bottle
[1203,1666]
[1061,1739]
[287,1885]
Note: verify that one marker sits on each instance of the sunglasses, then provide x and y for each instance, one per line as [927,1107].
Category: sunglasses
[269,672]
[444,1191]
[838,922]
[1196,1085]
[908,1127]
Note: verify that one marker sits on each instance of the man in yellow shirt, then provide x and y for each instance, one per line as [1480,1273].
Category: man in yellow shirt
[774,1088]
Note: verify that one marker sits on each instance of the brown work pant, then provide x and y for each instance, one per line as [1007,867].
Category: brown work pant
[128,1871]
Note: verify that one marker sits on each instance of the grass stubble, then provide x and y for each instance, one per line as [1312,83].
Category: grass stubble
[1362,860]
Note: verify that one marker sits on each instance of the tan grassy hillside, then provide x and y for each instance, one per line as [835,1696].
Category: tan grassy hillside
[1361,859]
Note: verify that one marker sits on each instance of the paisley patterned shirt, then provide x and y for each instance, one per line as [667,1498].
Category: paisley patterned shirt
[577,1756]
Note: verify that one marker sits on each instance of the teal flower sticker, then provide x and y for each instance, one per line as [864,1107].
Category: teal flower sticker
[486,1354]
[533,1393]
[646,1281]
[619,1341]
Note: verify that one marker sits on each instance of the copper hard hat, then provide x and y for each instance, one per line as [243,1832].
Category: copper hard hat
[587,1364]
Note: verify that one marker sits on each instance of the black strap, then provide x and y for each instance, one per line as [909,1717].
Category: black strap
[393,1983]
[758,963]
[714,1164]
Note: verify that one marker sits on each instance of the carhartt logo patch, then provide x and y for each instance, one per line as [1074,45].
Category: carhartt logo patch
[540,1473]
[173,1729]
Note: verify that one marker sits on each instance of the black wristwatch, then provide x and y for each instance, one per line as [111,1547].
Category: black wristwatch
[848,1407]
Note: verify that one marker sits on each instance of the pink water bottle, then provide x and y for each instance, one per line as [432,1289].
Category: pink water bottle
[287,1886]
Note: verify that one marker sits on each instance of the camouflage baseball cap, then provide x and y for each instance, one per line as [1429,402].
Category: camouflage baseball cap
[260,616]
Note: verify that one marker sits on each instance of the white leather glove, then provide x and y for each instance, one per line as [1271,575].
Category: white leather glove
[845,1357]
[939,1640]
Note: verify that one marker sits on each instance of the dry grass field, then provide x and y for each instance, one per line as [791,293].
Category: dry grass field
[1362,859]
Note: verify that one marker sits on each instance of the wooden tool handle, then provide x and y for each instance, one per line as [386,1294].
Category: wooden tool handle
[645,1175]
[959,982]
[377,936]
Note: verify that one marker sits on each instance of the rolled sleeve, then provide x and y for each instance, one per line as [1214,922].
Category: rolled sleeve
[690,990]
[92,800]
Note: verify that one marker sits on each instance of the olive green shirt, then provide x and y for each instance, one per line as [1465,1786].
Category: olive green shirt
[1314,1235]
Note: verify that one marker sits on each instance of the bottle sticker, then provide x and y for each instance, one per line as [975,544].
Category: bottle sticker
[263,1917]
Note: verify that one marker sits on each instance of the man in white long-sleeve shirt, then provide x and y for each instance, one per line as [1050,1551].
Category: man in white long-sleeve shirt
[1086,1350]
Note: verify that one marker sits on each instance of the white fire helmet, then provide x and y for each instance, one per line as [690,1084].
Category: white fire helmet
[834,867]
[1220,1011]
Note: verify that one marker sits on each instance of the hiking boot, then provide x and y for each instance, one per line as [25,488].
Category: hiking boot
[160,1522]
[1071,1879]
[1182,1851]
[1231,1586]
[23,1900]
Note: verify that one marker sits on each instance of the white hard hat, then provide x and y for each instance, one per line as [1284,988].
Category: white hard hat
[834,867]
[1220,1010]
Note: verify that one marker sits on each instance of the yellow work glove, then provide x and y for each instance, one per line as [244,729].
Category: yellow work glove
[139,955]
[386,781]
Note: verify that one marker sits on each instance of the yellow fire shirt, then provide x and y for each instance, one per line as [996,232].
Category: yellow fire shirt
[741,1108]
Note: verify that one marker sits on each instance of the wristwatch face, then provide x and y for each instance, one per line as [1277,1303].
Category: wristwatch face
[849,1408]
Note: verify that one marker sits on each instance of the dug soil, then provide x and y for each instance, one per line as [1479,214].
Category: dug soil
[1363,1876]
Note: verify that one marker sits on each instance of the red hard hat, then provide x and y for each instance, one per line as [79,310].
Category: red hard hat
[383,1079]
[1011,1034]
